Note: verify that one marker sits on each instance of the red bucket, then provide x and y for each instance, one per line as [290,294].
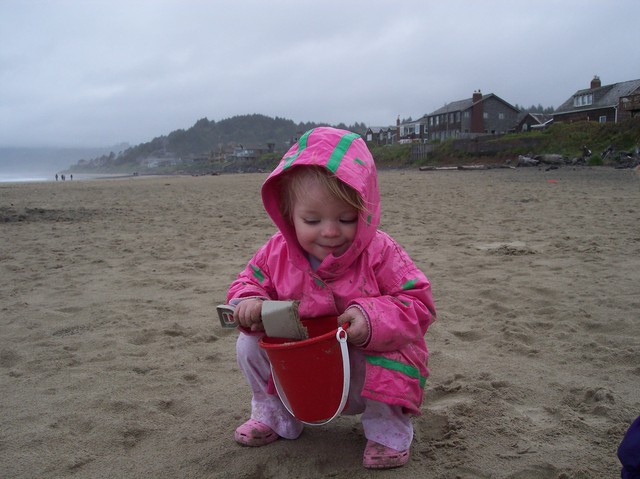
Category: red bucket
[312,375]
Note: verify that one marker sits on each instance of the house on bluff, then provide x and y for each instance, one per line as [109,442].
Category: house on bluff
[381,135]
[472,117]
[406,131]
[608,103]
[533,121]
[412,131]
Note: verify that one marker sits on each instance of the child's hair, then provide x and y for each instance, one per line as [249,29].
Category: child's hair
[292,188]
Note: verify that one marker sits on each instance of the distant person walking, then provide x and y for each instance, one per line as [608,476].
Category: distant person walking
[56,176]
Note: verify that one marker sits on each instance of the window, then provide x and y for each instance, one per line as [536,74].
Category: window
[603,119]
[485,115]
[431,121]
[583,100]
[457,117]
[501,116]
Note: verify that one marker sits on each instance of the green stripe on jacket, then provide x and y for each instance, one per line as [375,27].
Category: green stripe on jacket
[302,144]
[406,369]
[257,273]
[340,150]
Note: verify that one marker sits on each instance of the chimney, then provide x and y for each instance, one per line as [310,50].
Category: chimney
[477,113]
[595,83]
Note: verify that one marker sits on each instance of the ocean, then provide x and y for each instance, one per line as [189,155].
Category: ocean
[35,178]
[23,178]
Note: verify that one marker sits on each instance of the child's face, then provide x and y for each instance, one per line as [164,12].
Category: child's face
[324,224]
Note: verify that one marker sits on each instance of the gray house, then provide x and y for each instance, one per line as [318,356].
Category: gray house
[478,115]
[381,135]
[608,103]
[412,131]
[409,131]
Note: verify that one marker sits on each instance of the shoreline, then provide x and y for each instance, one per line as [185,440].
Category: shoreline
[19,179]
[43,179]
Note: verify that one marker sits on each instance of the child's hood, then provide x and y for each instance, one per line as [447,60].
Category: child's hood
[346,155]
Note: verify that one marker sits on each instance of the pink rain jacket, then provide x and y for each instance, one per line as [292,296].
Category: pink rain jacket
[375,273]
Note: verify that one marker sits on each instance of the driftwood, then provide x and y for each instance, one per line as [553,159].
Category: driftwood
[551,159]
[527,161]
[463,167]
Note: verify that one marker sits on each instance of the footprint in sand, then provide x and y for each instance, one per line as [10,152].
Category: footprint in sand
[468,335]
[444,396]
[594,405]
[132,435]
[9,358]
[542,471]
[146,336]
[541,417]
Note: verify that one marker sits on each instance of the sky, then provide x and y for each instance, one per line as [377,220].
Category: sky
[94,73]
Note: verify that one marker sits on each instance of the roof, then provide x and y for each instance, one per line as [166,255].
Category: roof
[459,105]
[462,105]
[604,96]
[378,129]
[420,120]
[539,118]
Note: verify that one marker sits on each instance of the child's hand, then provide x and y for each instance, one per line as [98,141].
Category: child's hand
[358,331]
[248,313]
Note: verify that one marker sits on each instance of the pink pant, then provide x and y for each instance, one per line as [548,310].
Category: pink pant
[382,423]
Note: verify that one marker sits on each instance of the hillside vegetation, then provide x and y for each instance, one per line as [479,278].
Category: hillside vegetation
[204,147]
[208,146]
[566,139]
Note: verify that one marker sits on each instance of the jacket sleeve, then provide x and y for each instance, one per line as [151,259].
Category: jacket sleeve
[255,279]
[405,308]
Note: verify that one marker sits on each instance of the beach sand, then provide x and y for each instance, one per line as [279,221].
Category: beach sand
[113,363]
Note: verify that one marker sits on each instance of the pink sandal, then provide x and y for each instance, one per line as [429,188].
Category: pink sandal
[377,456]
[254,433]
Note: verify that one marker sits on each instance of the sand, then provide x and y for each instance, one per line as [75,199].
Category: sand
[113,363]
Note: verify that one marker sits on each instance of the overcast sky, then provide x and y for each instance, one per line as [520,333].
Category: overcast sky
[96,73]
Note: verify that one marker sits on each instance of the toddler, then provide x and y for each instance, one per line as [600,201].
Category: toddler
[331,257]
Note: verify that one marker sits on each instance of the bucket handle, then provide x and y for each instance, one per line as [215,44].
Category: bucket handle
[341,336]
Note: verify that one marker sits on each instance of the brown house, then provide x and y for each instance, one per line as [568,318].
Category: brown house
[533,121]
[478,115]
[609,103]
